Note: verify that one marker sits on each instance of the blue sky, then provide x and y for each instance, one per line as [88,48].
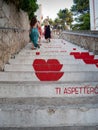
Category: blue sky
[51,7]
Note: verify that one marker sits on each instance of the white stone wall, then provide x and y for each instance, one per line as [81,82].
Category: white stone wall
[94,14]
[14,31]
[87,41]
[11,17]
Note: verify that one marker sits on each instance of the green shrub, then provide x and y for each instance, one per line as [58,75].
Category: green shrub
[29,6]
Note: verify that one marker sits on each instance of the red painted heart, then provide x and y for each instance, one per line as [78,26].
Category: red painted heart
[49,76]
[47,70]
[50,65]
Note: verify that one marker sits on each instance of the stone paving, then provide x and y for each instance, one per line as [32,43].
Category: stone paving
[55,86]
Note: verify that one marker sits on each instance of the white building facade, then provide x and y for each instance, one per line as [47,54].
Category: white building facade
[93,14]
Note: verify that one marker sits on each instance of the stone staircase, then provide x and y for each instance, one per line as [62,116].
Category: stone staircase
[50,89]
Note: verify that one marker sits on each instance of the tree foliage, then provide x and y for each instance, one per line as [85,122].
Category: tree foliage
[81,9]
[83,22]
[65,17]
[80,6]
[29,6]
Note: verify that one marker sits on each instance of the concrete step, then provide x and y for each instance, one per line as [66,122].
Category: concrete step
[30,61]
[63,59]
[47,89]
[47,52]
[41,53]
[66,57]
[80,54]
[21,115]
[19,108]
[53,128]
[82,76]
[65,67]
[54,51]
[51,101]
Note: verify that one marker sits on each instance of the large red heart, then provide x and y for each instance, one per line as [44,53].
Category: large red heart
[47,70]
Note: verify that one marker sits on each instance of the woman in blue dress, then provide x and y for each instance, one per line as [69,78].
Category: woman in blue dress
[34,34]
